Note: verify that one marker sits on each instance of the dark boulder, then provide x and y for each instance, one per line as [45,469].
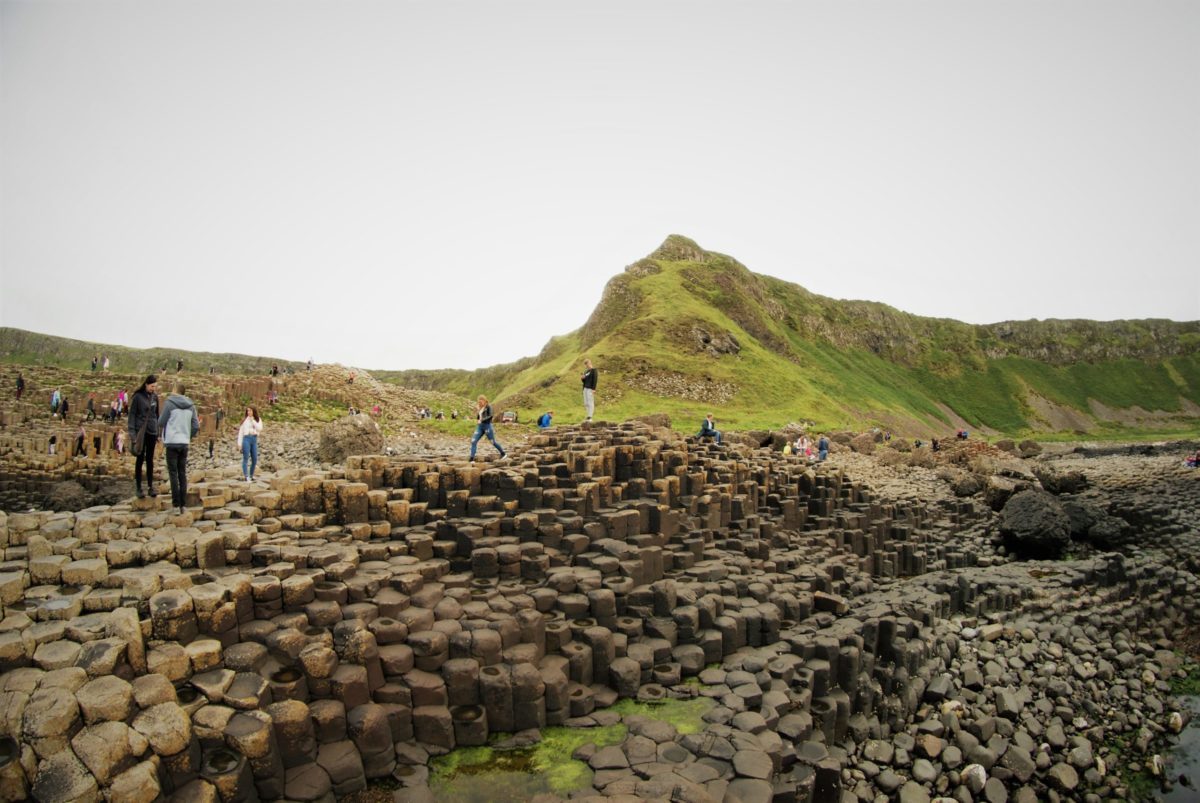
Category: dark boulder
[1034,524]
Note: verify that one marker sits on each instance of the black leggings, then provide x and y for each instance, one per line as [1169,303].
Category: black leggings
[147,457]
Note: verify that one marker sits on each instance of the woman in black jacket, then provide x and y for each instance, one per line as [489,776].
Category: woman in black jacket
[483,426]
[143,412]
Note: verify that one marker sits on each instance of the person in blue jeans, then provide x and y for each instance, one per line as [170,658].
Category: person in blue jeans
[483,426]
[822,448]
[708,429]
[247,439]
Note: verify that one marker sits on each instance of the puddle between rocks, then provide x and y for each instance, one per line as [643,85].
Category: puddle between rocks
[514,775]
[1183,764]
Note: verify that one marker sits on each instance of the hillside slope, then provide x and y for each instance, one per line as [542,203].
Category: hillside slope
[686,331]
[19,346]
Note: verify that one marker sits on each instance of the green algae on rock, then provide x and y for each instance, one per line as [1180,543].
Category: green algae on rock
[500,775]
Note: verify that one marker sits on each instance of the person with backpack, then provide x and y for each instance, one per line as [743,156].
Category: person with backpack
[143,433]
[546,419]
[179,423]
[483,417]
[247,441]
[589,389]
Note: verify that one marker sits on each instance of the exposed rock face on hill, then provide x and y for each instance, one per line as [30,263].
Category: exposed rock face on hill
[353,434]
[686,310]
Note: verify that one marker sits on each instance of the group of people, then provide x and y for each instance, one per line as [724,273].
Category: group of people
[804,447]
[176,422]
[99,361]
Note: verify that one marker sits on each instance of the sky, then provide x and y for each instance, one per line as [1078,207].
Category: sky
[449,184]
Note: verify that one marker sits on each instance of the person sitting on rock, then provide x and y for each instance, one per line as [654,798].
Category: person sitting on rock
[708,429]
[545,420]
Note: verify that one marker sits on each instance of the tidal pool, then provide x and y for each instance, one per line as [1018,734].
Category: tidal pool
[513,775]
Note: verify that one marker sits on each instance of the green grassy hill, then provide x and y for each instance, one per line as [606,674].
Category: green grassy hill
[686,331]
[20,347]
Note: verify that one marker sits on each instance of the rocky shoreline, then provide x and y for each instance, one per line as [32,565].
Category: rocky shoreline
[863,626]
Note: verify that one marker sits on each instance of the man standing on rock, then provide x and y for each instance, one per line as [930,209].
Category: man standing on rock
[589,389]
[823,448]
[179,423]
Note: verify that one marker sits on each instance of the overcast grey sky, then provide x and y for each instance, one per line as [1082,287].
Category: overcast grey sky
[448,184]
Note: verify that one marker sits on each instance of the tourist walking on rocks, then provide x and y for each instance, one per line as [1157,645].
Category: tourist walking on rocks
[55,398]
[708,429]
[120,443]
[822,448]
[247,441]
[143,433]
[91,407]
[20,385]
[79,438]
[179,423]
[220,416]
[114,410]
[64,407]
[589,389]
[483,426]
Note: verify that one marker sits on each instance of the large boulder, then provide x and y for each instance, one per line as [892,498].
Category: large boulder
[1062,482]
[353,434]
[864,443]
[1034,524]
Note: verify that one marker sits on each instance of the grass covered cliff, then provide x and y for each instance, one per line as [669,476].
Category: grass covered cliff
[686,331]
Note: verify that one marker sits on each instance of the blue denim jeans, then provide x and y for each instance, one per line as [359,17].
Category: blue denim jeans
[249,454]
[480,431]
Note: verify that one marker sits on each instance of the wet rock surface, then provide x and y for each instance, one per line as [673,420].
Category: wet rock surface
[861,628]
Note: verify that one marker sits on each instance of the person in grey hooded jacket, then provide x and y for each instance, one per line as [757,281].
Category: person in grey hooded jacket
[178,422]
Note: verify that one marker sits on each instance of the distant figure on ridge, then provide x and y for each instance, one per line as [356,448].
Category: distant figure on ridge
[708,429]
[106,363]
[20,385]
[546,419]
[95,362]
[589,389]
[247,441]
[179,423]
[483,426]
[178,365]
[143,433]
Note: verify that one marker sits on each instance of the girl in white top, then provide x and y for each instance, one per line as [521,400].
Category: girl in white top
[247,439]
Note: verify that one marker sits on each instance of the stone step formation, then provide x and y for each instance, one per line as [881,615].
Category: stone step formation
[299,638]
